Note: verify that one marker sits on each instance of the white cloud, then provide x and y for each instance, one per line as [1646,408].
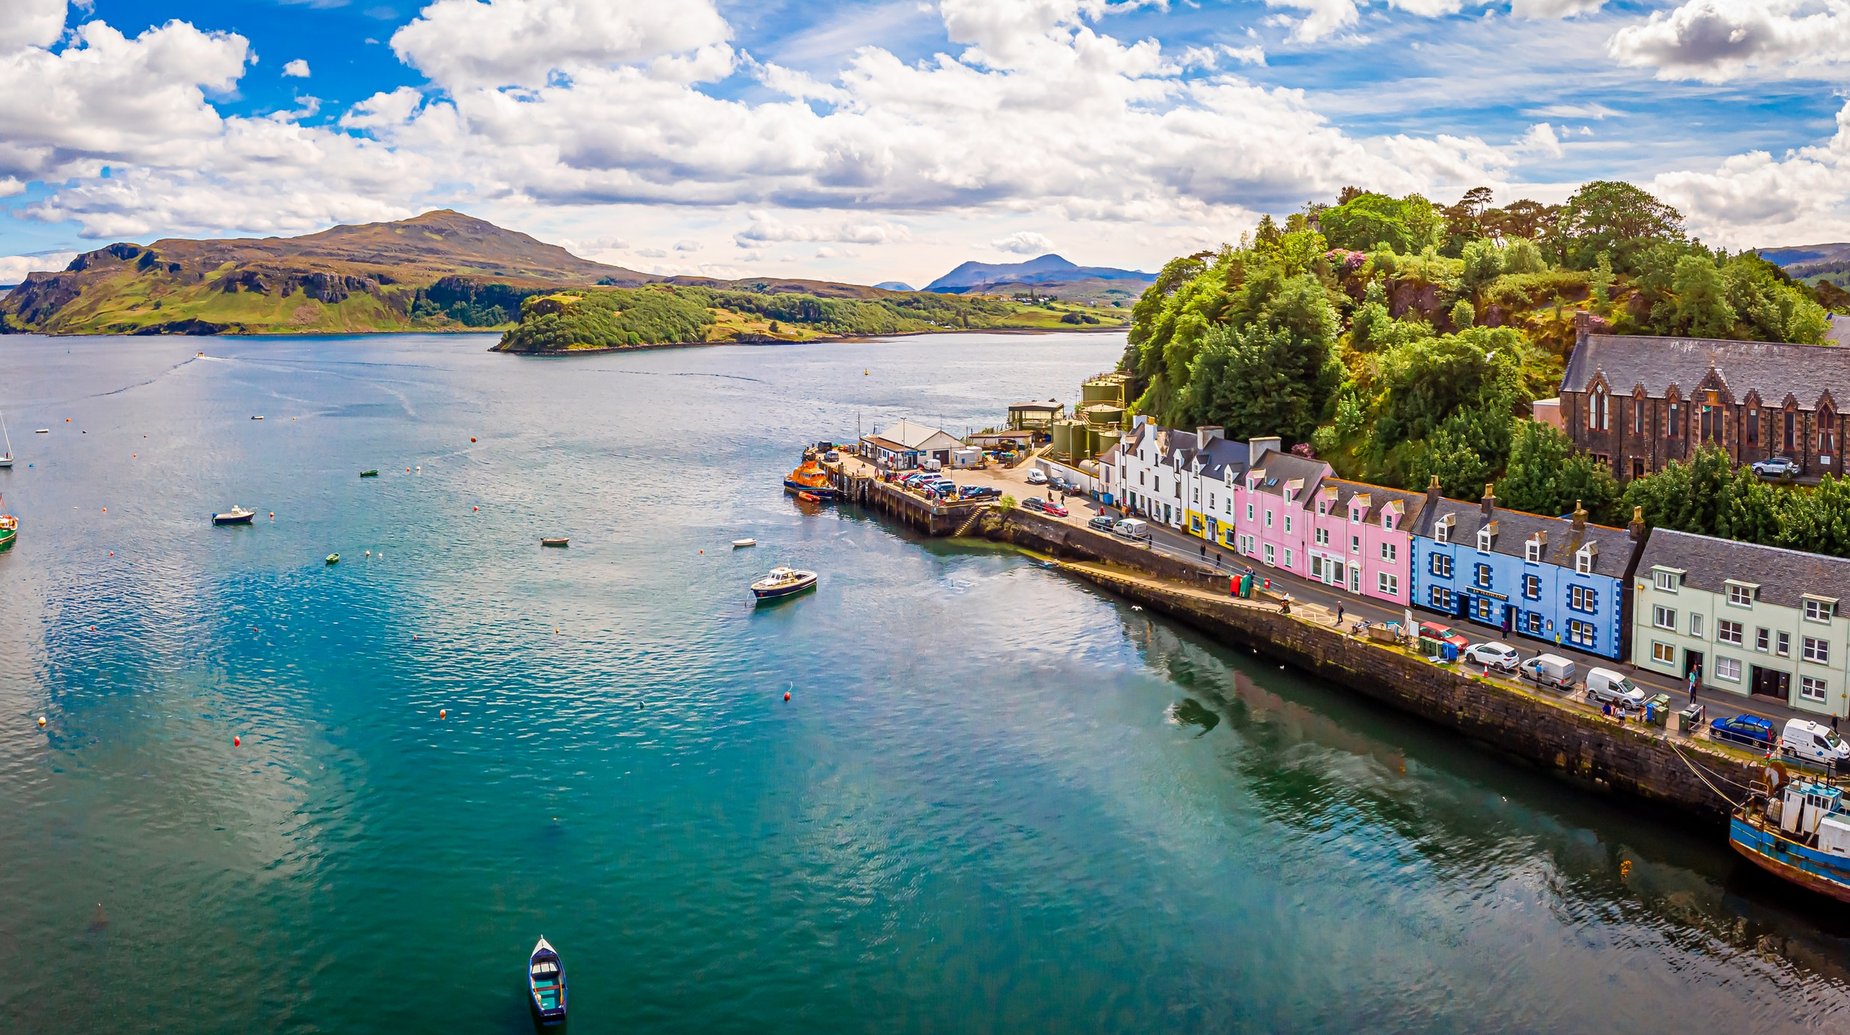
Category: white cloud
[768,228]
[1715,41]
[1023,242]
[1755,199]
[1538,9]
[297,69]
[13,268]
[462,43]
[31,23]
[1541,139]
[1321,17]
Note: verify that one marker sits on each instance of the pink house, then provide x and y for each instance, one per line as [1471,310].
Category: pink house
[1360,538]
[1271,522]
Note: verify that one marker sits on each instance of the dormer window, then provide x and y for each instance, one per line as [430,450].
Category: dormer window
[1484,537]
[1668,581]
[1532,550]
[1442,530]
[1355,516]
[1583,559]
[1387,521]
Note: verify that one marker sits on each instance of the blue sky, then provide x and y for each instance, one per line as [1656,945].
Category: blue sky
[890,139]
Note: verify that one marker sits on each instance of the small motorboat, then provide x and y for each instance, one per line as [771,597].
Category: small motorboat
[256,416]
[809,497]
[557,540]
[738,544]
[783,582]
[546,985]
[369,474]
[9,531]
[235,516]
[42,431]
[333,558]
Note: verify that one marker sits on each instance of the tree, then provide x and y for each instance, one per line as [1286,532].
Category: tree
[1368,220]
[1463,315]
[1618,218]
[1546,476]
[1701,308]
[1521,255]
[1271,374]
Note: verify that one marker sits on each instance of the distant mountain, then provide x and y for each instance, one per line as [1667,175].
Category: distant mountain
[439,271]
[1815,264]
[1047,275]
[895,285]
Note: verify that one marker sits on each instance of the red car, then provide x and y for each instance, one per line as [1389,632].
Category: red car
[1444,634]
[1050,507]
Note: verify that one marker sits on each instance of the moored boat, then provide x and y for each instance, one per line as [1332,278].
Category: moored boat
[235,516]
[809,477]
[557,540]
[1797,829]
[783,582]
[333,558]
[546,984]
[6,458]
[740,543]
[9,531]
[256,416]
[369,474]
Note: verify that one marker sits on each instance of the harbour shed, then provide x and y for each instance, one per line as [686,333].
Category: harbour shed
[904,444]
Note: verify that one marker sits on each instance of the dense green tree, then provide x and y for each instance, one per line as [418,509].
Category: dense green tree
[1483,263]
[1521,255]
[1617,218]
[1463,314]
[1368,220]
[1546,476]
[1701,308]
[1272,374]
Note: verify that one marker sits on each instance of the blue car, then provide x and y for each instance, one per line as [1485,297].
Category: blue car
[1751,730]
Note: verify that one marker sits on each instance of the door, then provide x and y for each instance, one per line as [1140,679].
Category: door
[1692,662]
[1770,682]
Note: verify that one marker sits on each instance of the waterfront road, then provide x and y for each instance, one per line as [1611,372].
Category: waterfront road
[1314,598]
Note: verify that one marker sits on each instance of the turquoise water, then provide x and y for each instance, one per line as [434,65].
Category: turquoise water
[997,800]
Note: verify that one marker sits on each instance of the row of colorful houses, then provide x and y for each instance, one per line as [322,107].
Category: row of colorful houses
[1561,580]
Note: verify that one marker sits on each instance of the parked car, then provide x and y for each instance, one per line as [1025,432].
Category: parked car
[1050,507]
[978,492]
[1605,686]
[1500,656]
[1034,503]
[1101,523]
[1813,742]
[1036,476]
[1776,467]
[1062,485]
[1550,670]
[831,457]
[1134,529]
[912,479]
[1444,634]
[1750,730]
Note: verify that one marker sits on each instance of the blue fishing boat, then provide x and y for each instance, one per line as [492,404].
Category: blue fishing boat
[546,985]
[1798,829]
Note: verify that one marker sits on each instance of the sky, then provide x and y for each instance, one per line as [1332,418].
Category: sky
[878,140]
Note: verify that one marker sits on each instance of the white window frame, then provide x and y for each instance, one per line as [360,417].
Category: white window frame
[1483,540]
[1816,649]
[1740,596]
[1666,581]
[1287,557]
[1664,618]
[1583,561]
[1287,523]
[1388,553]
[1532,551]
[1695,624]
[1271,556]
[1782,644]
[1817,611]
[1723,667]
[1813,688]
[1387,583]
[1722,629]
[1663,653]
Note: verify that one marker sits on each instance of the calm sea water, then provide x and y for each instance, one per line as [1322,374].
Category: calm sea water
[998,801]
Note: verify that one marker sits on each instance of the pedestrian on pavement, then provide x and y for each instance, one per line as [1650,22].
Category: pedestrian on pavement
[1692,685]
[1204,551]
[1339,613]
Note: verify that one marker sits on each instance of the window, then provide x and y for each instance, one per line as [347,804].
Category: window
[1695,624]
[1670,426]
[1784,646]
[1355,544]
[1667,581]
[1323,508]
[1287,524]
[1441,566]
[1728,632]
[1791,426]
[1817,650]
[1740,596]
[1482,577]
[1355,516]
[1287,556]
[1637,416]
[1532,623]
[1271,554]
[1637,467]
[1387,522]
[1389,584]
[1817,611]
[1583,598]
[1443,530]
[1753,427]
[1762,640]
[1812,688]
[1729,669]
[1322,537]
[1388,552]
[1210,500]
[1581,634]
[1159,482]
[1532,550]
[1246,545]
[1249,512]
[1483,539]
[1583,561]
[1440,599]
[1663,653]
[1484,609]
[1316,567]
[1596,413]
[1664,618]
[1532,587]
[1268,518]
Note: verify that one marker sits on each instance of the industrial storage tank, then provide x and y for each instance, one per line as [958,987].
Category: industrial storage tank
[1063,437]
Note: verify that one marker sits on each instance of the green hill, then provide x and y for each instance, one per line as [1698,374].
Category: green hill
[600,319]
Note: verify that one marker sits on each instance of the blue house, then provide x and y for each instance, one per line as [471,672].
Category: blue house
[1559,580]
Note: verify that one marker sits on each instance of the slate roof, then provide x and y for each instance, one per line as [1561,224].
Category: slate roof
[1222,454]
[1379,496]
[1281,469]
[911,436]
[1613,546]
[1783,575]
[1774,369]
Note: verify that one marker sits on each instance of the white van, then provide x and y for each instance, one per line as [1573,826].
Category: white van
[931,463]
[1550,670]
[1813,742]
[1133,529]
[1605,685]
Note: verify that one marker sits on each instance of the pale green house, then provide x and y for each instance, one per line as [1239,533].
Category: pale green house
[1758,620]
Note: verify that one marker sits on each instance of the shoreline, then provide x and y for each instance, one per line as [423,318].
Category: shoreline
[827,339]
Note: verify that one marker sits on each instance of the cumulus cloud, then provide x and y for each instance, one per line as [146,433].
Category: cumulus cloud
[1757,199]
[297,69]
[13,268]
[31,23]
[1321,18]
[1718,40]
[461,43]
[1539,9]
[768,228]
[1541,139]
[1023,242]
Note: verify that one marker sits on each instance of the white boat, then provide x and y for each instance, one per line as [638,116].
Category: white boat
[235,516]
[42,431]
[737,543]
[783,582]
[6,458]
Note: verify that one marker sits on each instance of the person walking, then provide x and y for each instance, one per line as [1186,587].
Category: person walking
[1339,613]
[1693,677]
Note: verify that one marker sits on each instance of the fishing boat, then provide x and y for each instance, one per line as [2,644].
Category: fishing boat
[739,544]
[9,530]
[6,458]
[333,558]
[1798,829]
[546,984]
[783,582]
[369,474]
[235,516]
[558,540]
[811,478]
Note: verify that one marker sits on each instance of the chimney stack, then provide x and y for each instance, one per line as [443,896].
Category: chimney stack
[1580,517]
[1204,435]
[1637,525]
[1432,494]
[1490,500]
[1256,447]
[1583,327]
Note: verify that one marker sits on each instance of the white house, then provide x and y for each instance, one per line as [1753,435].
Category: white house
[904,444]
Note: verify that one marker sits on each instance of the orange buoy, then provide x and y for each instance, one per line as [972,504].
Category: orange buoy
[67,420]
[472,438]
[237,741]
[105,510]
[93,628]
[786,695]
[443,713]
[555,630]
[112,553]
[272,515]
[41,722]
